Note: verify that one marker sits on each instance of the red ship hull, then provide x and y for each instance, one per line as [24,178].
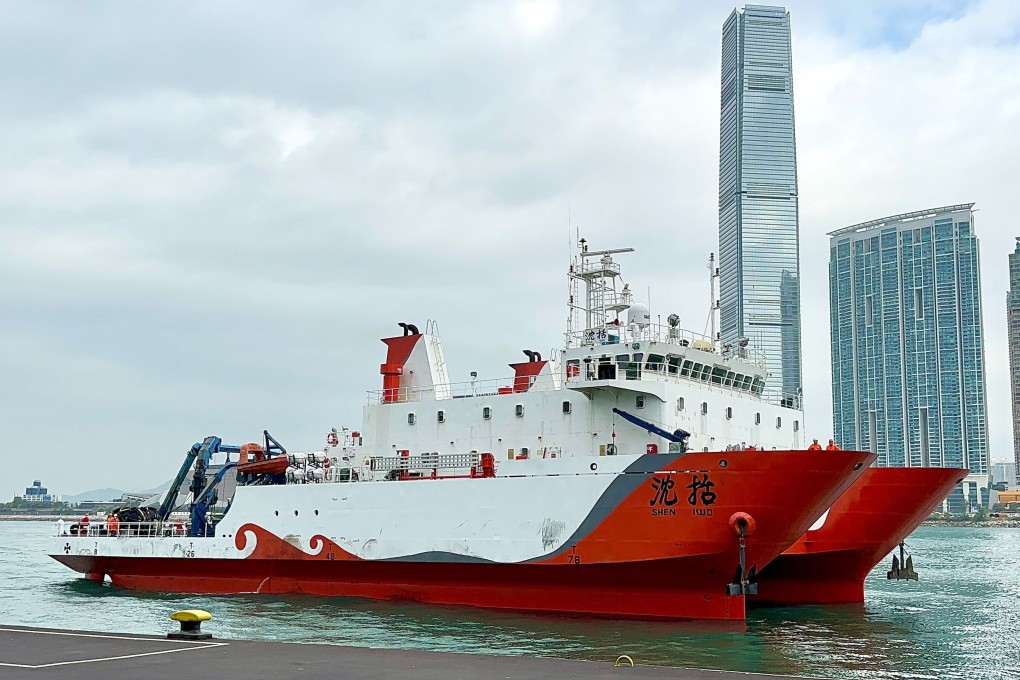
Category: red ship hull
[828,565]
[640,561]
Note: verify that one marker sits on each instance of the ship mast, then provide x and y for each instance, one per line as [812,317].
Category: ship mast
[591,316]
[713,275]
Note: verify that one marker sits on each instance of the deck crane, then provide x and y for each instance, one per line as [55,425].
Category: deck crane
[203,492]
[678,436]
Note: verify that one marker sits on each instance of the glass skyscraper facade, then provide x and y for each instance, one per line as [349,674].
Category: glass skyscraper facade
[759,261]
[908,372]
[1013,320]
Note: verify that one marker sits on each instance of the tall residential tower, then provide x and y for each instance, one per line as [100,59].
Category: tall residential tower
[1013,317]
[908,370]
[759,259]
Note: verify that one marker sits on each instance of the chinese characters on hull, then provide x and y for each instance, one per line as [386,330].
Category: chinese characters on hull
[664,495]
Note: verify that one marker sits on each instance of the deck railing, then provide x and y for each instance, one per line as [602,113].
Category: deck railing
[459,390]
[99,528]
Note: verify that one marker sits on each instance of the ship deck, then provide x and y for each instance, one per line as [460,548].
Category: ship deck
[38,653]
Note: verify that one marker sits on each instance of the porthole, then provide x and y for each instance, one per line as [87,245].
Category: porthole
[567,407]
[410,419]
[276,512]
[679,403]
[757,419]
[316,513]
[639,401]
[486,413]
[729,413]
[704,408]
[796,426]
[295,513]
[779,422]
[441,416]
[519,410]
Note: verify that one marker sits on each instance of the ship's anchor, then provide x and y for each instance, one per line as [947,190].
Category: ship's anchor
[743,583]
[902,566]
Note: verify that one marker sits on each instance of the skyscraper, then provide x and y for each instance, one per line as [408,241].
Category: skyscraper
[908,373]
[759,260]
[1013,321]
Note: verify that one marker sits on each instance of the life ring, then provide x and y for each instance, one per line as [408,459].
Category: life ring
[332,439]
[742,523]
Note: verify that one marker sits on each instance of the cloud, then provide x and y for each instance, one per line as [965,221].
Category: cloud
[211,213]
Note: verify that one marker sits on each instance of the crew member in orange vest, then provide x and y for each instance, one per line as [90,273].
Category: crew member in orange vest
[832,446]
[112,525]
[815,446]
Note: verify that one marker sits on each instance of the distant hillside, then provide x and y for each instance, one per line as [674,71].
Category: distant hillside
[113,494]
[94,495]
[157,489]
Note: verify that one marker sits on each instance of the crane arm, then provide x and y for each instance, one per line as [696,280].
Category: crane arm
[678,435]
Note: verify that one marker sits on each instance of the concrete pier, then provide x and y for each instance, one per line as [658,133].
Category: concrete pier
[37,653]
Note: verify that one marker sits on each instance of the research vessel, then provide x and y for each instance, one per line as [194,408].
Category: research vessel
[636,472]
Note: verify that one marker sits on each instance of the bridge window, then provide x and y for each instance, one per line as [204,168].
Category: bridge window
[410,418]
[519,410]
[729,413]
[631,369]
[718,374]
[441,416]
[486,413]
[686,370]
[673,364]
[655,362]
[566,407]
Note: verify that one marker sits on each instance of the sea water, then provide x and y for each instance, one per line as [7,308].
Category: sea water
[960,620]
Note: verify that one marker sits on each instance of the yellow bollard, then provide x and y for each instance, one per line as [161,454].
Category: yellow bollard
[191,625]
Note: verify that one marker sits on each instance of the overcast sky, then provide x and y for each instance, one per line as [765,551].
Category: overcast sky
[211,212]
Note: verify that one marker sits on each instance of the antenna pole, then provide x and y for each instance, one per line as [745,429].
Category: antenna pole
[711,293]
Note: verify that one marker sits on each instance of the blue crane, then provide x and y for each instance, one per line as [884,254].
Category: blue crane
[203,493]
[678,436]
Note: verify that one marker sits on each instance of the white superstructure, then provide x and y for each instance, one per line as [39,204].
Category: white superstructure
[614,358]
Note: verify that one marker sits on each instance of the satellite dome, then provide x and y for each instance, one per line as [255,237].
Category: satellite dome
[638,314]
